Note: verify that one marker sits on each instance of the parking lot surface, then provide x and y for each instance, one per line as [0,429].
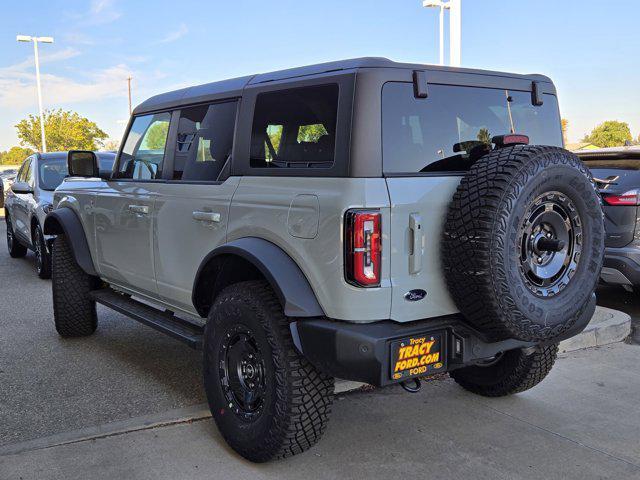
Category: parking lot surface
[582,422]
[51,385]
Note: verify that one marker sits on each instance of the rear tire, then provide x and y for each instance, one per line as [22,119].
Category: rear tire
[16,249]
[74,311]
[516,371]
[268,401]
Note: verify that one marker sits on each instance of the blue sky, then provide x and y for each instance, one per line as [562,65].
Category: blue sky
[589,48]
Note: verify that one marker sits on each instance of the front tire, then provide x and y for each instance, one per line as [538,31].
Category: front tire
[16,249]
[514,372]
[266,399]
[74,311]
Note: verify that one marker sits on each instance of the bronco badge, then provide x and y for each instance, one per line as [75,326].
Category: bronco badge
[415,295]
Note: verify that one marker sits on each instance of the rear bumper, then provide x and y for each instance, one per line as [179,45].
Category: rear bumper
[361,352]
[621,266]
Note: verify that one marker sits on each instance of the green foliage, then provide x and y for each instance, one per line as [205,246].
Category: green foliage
[611,133]
[15,155]
[156,136]
[484,136]
[64,130]
[311,133]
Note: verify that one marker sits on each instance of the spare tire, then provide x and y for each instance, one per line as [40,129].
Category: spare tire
[524,242]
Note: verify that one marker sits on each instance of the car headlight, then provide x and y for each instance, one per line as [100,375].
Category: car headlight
[47,207]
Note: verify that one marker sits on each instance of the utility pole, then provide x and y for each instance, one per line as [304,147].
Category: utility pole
[129,87]
[35,40]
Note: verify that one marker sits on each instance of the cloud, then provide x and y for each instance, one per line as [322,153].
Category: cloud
[17,83]
[99,13]
[175,35]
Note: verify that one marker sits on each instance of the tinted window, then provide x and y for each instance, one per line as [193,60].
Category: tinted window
[52,172]
[453,126]
[143,151]
[205,141]
[295,128]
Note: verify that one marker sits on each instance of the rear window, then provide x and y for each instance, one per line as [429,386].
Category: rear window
[295,128]
[453,126]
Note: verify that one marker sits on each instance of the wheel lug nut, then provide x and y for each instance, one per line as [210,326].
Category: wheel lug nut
[539,259]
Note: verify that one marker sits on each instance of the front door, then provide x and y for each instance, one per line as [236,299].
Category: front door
[124,211]
[192,209]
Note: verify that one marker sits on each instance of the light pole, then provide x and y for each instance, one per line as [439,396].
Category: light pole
[442,6]
[455,15]
[35,40]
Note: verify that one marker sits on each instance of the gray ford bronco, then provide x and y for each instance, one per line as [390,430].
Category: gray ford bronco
[363,219]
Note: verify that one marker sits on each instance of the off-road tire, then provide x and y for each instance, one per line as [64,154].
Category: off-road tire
[43,258]
[298,397]
[480,251]
[514,372]
[74,311]
[16,249]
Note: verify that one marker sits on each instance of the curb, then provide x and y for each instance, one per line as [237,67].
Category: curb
[606,326]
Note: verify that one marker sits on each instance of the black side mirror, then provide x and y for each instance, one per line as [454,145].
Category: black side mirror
[22,188]
[82,163]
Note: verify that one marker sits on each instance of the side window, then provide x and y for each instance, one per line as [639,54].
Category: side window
[205,141]
[30,176]
[143,152]
[295,128]
[22,173]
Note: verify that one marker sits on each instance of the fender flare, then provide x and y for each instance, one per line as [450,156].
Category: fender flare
[64,221]
[283,274]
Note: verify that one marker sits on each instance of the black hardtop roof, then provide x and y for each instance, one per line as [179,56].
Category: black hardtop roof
[233,87]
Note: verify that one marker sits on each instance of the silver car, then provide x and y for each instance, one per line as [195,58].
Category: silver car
[28,201]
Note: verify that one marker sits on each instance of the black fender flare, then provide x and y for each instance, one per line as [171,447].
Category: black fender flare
[283,274]
[64,221]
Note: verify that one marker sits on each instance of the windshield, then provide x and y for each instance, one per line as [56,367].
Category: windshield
[453,126]
[51,173]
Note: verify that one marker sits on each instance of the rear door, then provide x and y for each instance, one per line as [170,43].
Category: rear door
[124,211]
[21,201]
[618,179]
[428,144]
[192,208]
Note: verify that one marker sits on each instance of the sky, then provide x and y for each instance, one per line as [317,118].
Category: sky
[589,48]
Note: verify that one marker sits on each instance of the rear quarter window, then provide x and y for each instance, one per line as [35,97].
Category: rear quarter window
[452,127]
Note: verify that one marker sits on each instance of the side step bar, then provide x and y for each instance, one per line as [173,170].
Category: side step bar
[184,330]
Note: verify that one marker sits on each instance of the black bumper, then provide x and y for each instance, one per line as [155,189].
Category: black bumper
[361,352]
[621,266]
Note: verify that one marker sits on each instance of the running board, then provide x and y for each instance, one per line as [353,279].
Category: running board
[184,330]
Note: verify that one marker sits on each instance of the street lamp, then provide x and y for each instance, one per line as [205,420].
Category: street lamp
[442,6]
[455,15]
[35,40]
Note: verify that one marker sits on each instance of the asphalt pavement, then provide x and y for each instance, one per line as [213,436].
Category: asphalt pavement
[49,384]
[127,402]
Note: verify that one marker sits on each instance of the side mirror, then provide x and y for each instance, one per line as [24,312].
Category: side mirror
[22,188]
[82,163]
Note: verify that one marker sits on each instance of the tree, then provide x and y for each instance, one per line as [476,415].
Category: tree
[565,125]
[156,136]
[112,144]
[64,130]
[611,133]
[15,155]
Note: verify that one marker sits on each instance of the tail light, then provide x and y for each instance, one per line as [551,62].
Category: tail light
[363,247]
[632,197]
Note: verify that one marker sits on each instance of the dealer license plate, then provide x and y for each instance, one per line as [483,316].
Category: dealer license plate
[416,356]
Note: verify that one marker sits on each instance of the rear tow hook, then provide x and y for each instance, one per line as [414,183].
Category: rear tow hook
[412,389]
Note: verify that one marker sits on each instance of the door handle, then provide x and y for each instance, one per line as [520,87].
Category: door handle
[209,217]
[415,253]
[139,209]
